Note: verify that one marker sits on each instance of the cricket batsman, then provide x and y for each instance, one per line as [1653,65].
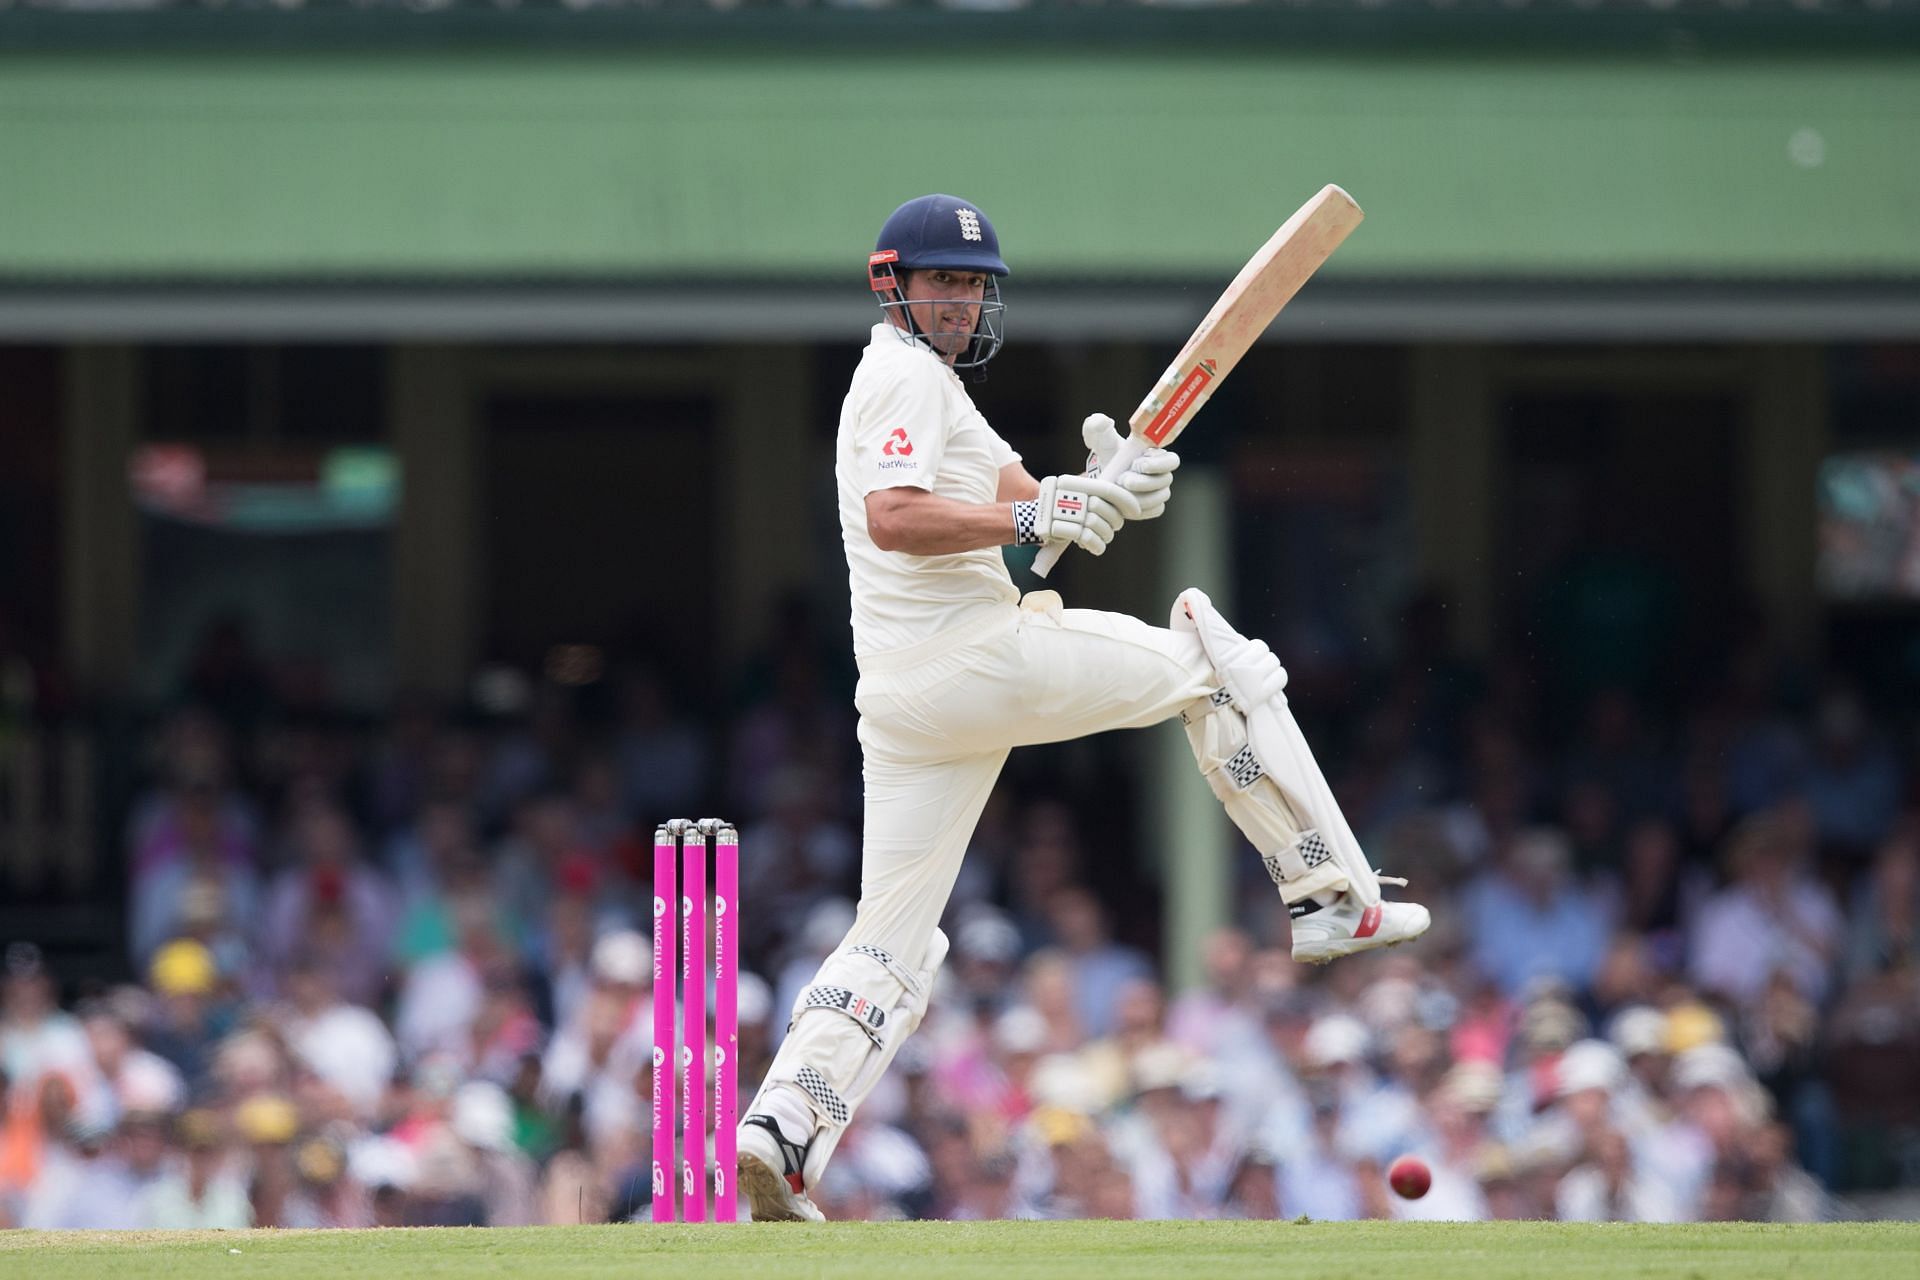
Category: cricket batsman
[956,669]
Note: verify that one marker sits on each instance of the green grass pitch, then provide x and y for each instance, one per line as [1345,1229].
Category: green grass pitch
[1000,1250]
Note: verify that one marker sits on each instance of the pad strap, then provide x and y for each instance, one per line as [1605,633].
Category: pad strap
[1200,708]
[906,977]
[865,1012]
[831,1104]
[1242,768]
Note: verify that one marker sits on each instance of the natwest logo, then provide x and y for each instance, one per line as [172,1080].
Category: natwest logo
[897,445]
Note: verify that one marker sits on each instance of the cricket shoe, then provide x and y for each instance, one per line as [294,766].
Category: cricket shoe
[1344,927]
[769,1173]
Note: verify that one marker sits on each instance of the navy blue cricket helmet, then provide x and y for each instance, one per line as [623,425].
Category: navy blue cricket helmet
[933,232]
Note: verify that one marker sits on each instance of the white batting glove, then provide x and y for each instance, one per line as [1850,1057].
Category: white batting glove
[1082,509]
[1149,478]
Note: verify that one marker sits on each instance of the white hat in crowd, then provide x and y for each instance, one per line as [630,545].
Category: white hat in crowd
[1162,1065]
[1021,1029]
[483,1116]
[1639,1029]
[623,958]
[753,999]
[382,1162]
[1710,1065]
[1337,1039]
[1590,1064]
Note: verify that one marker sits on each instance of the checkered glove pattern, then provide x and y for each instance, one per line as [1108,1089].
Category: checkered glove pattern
[1026,523]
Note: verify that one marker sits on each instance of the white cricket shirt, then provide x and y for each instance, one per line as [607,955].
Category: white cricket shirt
[908,421]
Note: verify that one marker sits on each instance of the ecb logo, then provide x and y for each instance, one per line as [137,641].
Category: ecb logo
[659,906]
[969,224]
[686,1055]
[659,1057]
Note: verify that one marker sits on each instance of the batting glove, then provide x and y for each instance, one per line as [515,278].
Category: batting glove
[1082,509]
[1149,478]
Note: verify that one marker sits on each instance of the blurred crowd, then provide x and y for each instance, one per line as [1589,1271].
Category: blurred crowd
[398,973]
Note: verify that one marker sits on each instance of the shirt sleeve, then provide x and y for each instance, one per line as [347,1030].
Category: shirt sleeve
[1003,453]
[901,433]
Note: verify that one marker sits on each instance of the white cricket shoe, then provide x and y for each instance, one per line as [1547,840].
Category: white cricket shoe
[769,1173]
[1345,927]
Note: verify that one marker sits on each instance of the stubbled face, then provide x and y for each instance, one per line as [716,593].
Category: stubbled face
[945,306]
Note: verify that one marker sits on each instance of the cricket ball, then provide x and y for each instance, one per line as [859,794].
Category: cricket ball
[1409,1177]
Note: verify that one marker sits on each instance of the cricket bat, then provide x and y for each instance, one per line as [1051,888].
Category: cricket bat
[1240,315]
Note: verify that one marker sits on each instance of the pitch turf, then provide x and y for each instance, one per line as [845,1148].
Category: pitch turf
[996,1250]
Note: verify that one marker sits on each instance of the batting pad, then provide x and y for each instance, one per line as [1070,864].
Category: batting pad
[1255,759]
[847,1028]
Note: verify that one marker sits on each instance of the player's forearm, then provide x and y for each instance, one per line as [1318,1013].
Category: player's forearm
[919,523]
[1016,485]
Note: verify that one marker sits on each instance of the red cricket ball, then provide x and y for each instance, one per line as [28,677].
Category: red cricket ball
[1409,1177]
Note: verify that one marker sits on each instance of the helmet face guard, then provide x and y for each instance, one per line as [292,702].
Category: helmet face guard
[985,340]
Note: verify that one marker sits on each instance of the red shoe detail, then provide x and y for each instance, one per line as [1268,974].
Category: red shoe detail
[794,1181]
[1369,922]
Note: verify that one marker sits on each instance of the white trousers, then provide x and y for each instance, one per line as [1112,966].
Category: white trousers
[936,724]
[935,731]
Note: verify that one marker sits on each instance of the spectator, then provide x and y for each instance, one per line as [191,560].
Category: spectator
[503,1177]
[1101,968]
[1773,916]
[81,1182]
[203,1192]
[799,853]
[188,1021]
[788,729]
[138,1079]
[345,1045]
[661,758]
[1883,934]
[434,862]
[1527,919]
[602,1054]
[543,853]
[1852,786]
[38,1040]
[441,997]
[331,904]
[269,1123]
[1659,892]
[195,774]
[195,845]
[399,769]
[1609,1188]
[1211,1018]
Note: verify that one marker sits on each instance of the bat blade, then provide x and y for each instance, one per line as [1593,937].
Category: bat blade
[1238,317]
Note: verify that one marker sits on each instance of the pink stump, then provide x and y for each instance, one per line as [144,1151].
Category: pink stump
[664,894]
[693,1048]
[726,1019]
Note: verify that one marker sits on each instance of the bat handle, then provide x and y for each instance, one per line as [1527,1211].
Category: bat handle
[1130,448]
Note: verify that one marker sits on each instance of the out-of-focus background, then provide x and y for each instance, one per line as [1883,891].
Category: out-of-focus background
[415,482]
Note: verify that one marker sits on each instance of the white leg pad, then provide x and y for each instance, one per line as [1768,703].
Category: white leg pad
[1253,755]
[846,1030]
